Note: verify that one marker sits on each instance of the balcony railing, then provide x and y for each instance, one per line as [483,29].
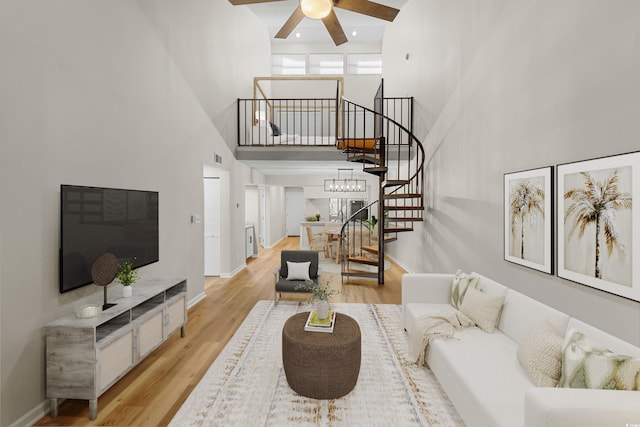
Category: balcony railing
[290,122]
[308,121]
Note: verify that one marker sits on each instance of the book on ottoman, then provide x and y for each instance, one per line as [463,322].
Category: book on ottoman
[320,325]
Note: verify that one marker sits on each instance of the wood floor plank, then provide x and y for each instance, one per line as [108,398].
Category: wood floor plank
[151,394]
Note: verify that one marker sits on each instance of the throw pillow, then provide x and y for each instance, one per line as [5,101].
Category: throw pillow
[274,129]
[484,309]
[540,354]
[461,282]
[586,364]
[298,270]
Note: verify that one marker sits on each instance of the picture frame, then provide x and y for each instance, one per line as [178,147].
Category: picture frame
[528,218]
[598,244]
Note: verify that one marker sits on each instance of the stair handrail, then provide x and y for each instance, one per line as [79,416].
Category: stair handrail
[352,217]
[345,224]
[401,127]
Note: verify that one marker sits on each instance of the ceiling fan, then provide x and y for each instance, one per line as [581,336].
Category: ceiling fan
[323,9]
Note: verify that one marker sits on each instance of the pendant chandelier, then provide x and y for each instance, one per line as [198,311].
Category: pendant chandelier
[344,185]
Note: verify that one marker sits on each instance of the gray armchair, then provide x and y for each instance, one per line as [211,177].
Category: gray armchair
[281,273]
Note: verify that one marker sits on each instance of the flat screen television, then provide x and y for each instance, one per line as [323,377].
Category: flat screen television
[95,221]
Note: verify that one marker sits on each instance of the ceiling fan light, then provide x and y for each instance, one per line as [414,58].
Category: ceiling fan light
[316,9]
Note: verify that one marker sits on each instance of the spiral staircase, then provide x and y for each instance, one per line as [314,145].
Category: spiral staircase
[390,151]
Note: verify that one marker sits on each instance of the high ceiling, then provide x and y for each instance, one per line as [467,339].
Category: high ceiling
[275,14]
[369,30]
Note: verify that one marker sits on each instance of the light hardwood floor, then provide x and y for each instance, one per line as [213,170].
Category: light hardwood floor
[154,390]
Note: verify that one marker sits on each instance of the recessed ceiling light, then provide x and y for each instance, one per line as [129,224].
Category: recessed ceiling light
[297,35]
[354,33]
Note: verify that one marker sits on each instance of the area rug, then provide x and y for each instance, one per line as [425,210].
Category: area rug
[246,385]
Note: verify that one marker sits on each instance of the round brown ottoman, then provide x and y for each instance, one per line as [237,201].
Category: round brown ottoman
[321,365]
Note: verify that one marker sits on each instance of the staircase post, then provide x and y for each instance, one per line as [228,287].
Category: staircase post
[381,179]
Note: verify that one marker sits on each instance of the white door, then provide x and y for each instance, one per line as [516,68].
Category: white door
[294,211]
[212,226]
[262,228]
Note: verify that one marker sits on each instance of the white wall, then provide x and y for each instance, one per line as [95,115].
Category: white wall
[116,93]
[252,206]
[509,85]
[276,216]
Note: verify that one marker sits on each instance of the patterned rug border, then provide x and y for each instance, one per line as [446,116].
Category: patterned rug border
[240,388]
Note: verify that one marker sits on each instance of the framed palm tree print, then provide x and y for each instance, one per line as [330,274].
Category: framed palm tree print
[528,218]
[598,223]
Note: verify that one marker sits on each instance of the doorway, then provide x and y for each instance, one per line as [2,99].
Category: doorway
[294,205]
[212,226]
[262,228]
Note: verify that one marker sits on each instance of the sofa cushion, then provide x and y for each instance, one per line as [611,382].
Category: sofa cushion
[490,286]
[521,314]
[461,283]
[603,338]
[540,354]
[481,376]
[586,364]
[484,309]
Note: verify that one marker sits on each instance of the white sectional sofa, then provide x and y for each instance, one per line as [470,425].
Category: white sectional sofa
[483,378]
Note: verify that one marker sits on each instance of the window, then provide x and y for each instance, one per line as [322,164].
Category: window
[292,64]
[326,64]
[289,64]
[364,63]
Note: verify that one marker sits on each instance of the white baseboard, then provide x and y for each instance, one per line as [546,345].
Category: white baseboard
[234,272]
[407,269]
[271,246]
[196,300]
[34,415]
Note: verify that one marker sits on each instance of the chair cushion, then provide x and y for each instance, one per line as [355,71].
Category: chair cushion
[284,285]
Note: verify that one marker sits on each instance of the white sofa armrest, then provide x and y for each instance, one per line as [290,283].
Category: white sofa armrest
[426,288]
[569,407]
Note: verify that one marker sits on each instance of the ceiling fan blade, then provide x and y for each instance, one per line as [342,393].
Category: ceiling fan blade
[368,8]
[334,28]
[240,2]
[291,23]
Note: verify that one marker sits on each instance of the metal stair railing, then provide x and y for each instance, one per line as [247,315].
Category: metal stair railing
[353,238]
[391,151]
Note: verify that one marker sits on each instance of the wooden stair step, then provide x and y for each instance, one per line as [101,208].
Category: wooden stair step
[372,249]
[361,150]
[362,143]
[377,170]
[363,158]
[363,260]
[390,239]
[360,273]
[405,219]
[403,208]
[397,229]
[395,182]
[403,196]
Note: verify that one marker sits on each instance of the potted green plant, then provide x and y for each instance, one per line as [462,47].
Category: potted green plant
[370,223]
[127,276]
[320,294]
